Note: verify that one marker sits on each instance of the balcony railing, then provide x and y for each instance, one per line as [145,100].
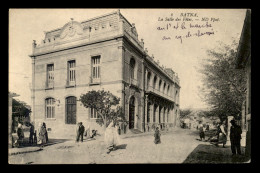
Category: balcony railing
[71,83]
[134,82]
[160,93]
[94,80]
[49,84]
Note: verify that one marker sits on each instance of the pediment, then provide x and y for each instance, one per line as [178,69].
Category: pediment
[71,30]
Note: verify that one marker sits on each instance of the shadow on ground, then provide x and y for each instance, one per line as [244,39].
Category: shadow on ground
[122,146]
[50,142]
[212,154]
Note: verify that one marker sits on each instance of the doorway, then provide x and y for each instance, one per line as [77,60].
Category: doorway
[71,110]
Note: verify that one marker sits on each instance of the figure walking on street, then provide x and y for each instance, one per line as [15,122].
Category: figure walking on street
[235,137]
[111,137]
[157,138]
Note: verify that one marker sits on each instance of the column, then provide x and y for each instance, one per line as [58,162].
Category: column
[151,113]
[145,114]
[145,80]
[121,61]
[33,92]
[157,114]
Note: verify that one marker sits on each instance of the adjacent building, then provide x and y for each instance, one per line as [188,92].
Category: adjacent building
[243,60]
[102,53]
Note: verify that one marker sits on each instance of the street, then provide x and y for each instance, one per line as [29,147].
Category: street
[177,146]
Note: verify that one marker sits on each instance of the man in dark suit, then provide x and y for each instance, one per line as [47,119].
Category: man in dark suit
[235,137]
[81,131]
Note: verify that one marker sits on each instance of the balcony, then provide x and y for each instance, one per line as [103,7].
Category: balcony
[49,85]
[159,93]
[70,84]
[134,82]
[94,81]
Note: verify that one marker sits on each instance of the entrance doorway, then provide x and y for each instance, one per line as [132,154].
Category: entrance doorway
[132,112]
[71,110]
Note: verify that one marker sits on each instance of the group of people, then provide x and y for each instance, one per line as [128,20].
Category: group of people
[40,138]
[221,136]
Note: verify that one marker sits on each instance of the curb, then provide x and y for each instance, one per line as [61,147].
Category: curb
[23,152]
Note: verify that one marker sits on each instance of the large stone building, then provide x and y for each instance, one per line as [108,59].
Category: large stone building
[100,53]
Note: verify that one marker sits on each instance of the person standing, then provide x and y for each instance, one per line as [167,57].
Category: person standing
[157,138]
[20,134]
[42,135]
[235,138]
[81,131]
[31,140]
[201,130]
[87,132]
[46,135]
[222,135]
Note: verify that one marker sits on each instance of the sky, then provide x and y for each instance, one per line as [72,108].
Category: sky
[222,25]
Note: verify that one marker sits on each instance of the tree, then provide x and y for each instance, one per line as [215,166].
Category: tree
[224,86]
[184,112]
[20,111]
[106,105]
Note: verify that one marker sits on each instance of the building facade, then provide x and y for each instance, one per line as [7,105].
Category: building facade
[243,60]
[103,53]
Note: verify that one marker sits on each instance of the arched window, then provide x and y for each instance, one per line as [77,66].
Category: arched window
[168,89]
[154,81]
[132,68]
[49,108]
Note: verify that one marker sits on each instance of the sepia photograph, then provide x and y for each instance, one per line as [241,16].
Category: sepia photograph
[129,86]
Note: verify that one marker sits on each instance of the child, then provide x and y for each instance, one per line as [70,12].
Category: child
[157,139]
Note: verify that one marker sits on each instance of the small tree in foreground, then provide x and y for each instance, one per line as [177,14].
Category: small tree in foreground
[106,105]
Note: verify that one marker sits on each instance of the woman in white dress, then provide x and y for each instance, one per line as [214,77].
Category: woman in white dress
[111,137]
